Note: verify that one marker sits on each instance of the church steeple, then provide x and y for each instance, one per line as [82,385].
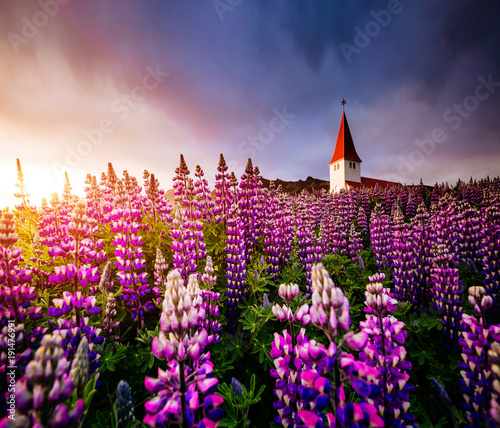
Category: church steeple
[344,149]
[345,166]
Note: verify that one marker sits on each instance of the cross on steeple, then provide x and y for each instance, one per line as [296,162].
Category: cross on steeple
[343,102]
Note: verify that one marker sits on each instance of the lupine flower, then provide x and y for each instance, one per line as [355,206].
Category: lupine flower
[265,302]
[444,224]
[187,231]
[45,386]
[490,234]
[109,324]
[247,201]
[236,264]
[204,200]
[156,200]
[289,292]
[288,366]
[79,373]
[404,261]
[309,249]
[447,292]
[223,193]
[330,312]
[130,261]
[469,234]
[385,352]
[355,243]
[190,371]
[124,405]
[422,245]
[236,387]
[477,340]
[15,293]
[362,220]
[494,357]
[272,233]
[380,235]
[210,299]
[160,274]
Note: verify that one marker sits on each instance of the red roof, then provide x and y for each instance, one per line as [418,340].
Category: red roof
[371,182]
[345,145]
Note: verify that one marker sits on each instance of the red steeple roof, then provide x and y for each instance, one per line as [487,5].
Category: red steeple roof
[345,146]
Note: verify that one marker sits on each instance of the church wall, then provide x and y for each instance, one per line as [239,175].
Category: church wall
[352,174]
[337,177]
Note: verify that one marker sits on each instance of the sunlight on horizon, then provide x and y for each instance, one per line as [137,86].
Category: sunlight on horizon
[40,182]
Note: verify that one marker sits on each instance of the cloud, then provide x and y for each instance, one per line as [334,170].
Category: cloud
[225,78]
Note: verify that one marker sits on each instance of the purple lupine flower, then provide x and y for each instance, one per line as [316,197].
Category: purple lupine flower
[156,202]
[380,236]
[330,312]
[289,292]
[285,236]
[410,206]
[490,243]
[109,325]
[79,373]
[421,236]
[187,232]
[385,351]
[284,350]
[236,265]
[124,405]
[160,274]
[288,366]
[404,261]
[265,302]
[45,386]
[130,261]
[223,193]
[190,370]
[210,298]
[362,221]
[469,234]
[444,224]
[247,201]
[494,357]
[309,249]
[202,192]
[237,387]
[271,231]
[355,243]
[477,340]
[447,292]
[15,291]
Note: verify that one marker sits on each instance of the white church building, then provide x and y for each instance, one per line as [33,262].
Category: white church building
[345,166]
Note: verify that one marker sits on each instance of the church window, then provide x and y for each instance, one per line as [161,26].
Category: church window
[354,165]
[350,164]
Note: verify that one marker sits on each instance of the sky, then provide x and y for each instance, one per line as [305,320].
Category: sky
[137,83]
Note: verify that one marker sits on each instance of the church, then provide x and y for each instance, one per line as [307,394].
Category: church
[345,166]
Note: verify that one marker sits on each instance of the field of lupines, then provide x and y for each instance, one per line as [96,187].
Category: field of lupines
[244,306]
